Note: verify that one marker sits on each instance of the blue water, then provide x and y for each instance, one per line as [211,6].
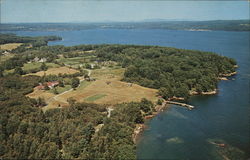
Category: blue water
[223,116]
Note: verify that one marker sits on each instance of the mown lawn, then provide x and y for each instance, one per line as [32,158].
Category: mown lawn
[95,97]
[83,84]
[61,89]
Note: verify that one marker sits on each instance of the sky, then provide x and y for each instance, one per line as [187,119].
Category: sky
[21,11]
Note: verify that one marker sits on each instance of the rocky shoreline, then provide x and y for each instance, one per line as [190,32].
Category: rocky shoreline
[224,76]
[141,127]
[160,108]
[204,93]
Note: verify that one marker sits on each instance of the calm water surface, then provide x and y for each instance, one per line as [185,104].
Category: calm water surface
[179,133]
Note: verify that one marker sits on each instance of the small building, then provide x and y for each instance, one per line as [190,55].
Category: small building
[43,60]
[92,66]
[90,79]
[36,59]
[51,85]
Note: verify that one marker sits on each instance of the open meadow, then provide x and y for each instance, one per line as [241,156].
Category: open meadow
[106,89]
[56,71]
[10,46]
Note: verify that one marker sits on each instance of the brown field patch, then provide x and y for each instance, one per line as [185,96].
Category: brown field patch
[40,93]
[10,46]
[56,71]
[115,92]
[107,89]
[108,73]
[48,97]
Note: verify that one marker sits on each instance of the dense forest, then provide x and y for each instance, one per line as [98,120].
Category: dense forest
[28,132]
[223,25]
[84,130]
[34,41]
[175,72]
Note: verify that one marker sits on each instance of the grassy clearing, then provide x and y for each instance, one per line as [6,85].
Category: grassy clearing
[83,84]
[41,93]
[61,89]
[5,58]
[100,91]
[27,67]
[95,97]
[56,71]
[115,92]
[10,46]
[75,61]
[36,65]
[108,73]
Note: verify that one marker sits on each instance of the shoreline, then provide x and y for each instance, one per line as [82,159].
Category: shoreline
[139,128]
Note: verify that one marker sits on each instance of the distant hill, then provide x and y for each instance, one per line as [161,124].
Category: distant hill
[221,25]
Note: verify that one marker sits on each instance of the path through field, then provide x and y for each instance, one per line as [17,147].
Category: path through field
[56,96]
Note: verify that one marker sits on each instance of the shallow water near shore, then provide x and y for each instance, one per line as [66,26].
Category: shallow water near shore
[179,133]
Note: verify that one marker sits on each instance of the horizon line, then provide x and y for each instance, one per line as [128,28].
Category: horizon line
[140,21]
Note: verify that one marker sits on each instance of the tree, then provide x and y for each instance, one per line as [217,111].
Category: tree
[55,91]
[61,84]
[146,105]
[46,87]
[159,101]
[1,71]
[139,118]
[88,66]
[41,101]
[19,70]
[44,67]
[88,131]
[164,92]
[71,101]
[75,82]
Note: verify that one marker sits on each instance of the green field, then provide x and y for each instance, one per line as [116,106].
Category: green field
[28,67]
[75,61]
[95,97]
[36,65]
[61,89]
[5,58]
[84,84]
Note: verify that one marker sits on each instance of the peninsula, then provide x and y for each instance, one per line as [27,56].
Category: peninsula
[85,101]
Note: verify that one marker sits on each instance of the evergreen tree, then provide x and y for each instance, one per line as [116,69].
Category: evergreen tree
[75,82]
[44,67]
[19,70]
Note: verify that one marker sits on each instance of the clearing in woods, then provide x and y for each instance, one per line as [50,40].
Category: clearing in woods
[106,89]
[10,46]
[56,71]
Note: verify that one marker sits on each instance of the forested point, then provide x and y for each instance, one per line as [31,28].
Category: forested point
[34,41]
[84,130]
[175,72]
